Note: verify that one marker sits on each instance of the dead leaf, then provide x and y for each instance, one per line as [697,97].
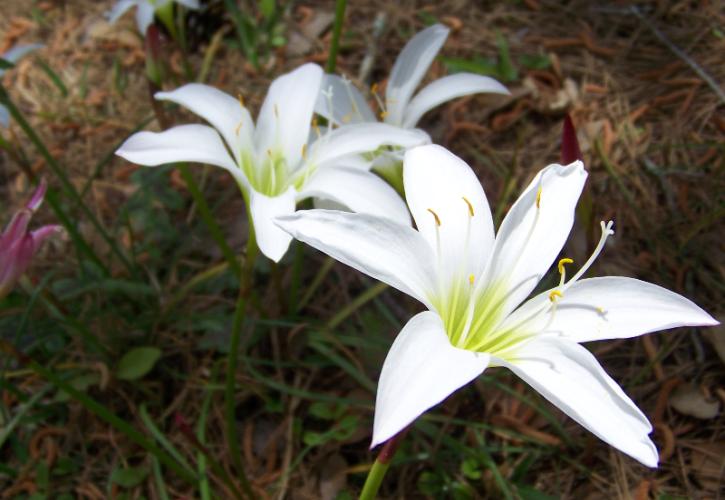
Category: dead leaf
[708,463]
[689,400]
[101,30]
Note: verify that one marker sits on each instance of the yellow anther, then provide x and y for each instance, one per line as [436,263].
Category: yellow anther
[471,279]
[346,118]
[538,197]
[316,126]
[554,294]
[383,114]
[239,127]
[240,97]
[374,88]
[269,152]
[435,216]
[600,310]
[470,206]
[561,264]
[304,151]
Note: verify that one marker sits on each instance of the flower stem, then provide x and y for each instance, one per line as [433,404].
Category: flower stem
[340,6]
[230,385]
[206,215]
[380,467]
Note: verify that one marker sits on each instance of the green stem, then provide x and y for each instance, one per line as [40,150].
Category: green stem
[380,467]
[208,218]
[65,182]
[353,306]
[166,14]
[336,32]
[230,385]
[244,34]
[316,282]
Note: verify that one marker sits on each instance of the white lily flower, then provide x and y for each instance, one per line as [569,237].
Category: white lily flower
[474,283]
[276,164]
[12,56]
[341,103]
[145,10]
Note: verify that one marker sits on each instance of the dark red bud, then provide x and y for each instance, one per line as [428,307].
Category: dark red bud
[570,151]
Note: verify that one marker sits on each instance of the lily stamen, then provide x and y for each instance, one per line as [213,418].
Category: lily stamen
[470,206]
[562,269]
[606,233]
[435,216]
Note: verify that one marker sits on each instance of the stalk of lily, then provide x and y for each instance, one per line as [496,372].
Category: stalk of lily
[474,285]
[340,102]
[146,9]
[282,160]
[18,245]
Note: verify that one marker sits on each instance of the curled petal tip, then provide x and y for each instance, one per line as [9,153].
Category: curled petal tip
[37,199]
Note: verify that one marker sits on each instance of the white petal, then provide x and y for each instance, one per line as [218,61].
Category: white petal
[530,238]
[194,143]
[341,102]
[614,307]
[421,369]
[119,9]
[221,110]
[377,246]
[447,88]
[409,68]
[189,4]
[4,116]
[286,115]
[144,17]
[436,179]
[359,190]
[272,241]
[19,51]
[570,377]
[363,138]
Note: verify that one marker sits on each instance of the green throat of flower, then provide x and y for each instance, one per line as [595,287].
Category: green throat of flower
[475,314]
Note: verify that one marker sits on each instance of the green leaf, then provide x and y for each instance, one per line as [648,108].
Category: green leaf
[5,64]
[130,477]
[80,383]
[529,493]
[137,362]
[325,411]
[470,468]
[535,61]
[268,8]
[506,69]
[314,438]
[479,65]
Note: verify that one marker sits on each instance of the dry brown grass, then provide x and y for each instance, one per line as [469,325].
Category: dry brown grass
[652,136]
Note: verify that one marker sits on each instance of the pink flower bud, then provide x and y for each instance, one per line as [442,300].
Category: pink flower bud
[18,245]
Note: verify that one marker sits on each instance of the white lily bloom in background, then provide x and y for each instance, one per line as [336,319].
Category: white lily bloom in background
[276,163]
[474,283]
[12,56]
[341,103]
[145,10]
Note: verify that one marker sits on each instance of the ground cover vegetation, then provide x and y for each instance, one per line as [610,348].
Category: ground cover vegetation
[152,349]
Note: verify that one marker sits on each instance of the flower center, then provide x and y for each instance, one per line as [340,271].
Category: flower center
[500,338]
[474,311]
